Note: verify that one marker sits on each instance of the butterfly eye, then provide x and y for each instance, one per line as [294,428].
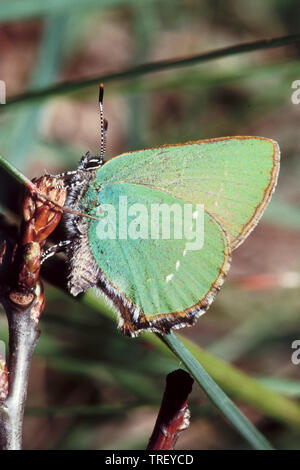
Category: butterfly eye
[93,163]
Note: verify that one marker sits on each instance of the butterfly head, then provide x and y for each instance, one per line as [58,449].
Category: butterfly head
[90,163]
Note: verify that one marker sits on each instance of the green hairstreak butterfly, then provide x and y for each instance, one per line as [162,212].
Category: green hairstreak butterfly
[139,244]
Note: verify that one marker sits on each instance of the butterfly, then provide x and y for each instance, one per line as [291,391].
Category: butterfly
[157,282]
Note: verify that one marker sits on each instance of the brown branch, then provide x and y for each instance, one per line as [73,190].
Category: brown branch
[23,336]
[174,414]
[22,296]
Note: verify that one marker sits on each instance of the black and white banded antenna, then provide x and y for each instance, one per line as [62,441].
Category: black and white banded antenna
[103,126]
[93,163]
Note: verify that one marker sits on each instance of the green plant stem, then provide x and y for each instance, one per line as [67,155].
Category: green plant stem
[239,384]
[151,67]
[216,394]
[17,174]
[234,381]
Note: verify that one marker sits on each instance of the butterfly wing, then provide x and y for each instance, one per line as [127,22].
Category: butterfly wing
[158,284]
[154,283]
[233,177]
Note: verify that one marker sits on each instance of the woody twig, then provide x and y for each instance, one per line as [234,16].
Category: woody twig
[174,414]
[23,299]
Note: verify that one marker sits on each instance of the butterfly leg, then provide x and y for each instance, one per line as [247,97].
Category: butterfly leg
[64,175]
[52,250]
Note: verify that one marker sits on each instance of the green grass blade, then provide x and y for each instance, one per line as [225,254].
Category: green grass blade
[287,387]
[158,66]
[234,381]
[242,386]
[12,170]
[216,394]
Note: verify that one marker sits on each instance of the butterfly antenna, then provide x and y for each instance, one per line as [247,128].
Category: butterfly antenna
[103,125]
